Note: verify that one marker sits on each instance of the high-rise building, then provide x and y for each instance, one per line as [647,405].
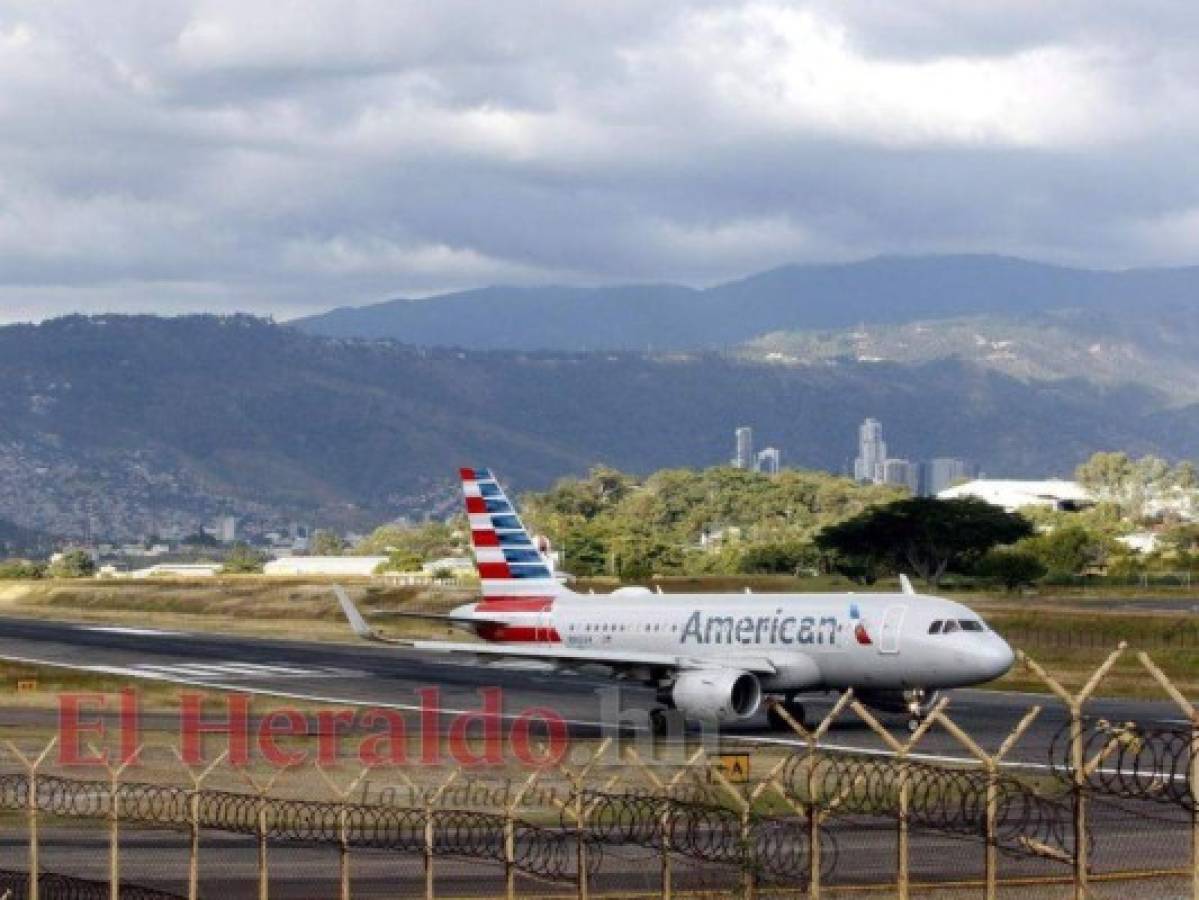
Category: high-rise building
[744,458]
[944,472]
[224,529]
[768,461]
[872,452]
[901,472]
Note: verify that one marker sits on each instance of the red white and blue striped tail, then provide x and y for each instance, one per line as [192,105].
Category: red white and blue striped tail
[515,574]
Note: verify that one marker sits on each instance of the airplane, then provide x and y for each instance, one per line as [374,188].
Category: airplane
[711,657]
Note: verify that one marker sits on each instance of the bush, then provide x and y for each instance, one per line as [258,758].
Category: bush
[21,568]
[72,564]
[1015,568]
[243,560]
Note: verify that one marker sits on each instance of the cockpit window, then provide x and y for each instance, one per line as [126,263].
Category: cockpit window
[971,625]
[935,628]
[951,625]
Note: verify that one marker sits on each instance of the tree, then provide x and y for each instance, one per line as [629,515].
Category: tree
[326,543]
[428,541]
[1015,568]
[1068,550]
[401,561]
[243,560]
[72,564]
[928,535]
[778,559]
[21,568]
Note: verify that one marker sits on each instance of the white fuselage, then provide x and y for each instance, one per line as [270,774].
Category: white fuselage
[811,641]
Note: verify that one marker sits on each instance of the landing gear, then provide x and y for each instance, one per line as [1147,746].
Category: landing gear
[793,709]
[659,722]
[919,704]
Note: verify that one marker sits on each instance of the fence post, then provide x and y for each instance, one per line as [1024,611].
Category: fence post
[114,818]
[510,835]
[1078,763]
[1188,709]
[193,806]
[991,766]
[31,809]
[343,839]
[815,815]
[901,751]
[666,880]
[262,789]
[579,814]
[430,834]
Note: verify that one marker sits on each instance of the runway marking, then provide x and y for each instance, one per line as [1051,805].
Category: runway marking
[123,629]
[206,671]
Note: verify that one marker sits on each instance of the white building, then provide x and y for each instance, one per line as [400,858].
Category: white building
[744,458]
[324,565]
[1013,495]
[768,461]
[224,529]
[179,570]
[872,452]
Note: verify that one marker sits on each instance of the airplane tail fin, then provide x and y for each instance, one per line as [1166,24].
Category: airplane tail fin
[515,574]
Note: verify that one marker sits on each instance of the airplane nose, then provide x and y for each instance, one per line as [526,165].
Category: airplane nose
[998,658]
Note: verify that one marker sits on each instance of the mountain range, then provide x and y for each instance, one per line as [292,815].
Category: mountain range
[125,425]
[1140,303]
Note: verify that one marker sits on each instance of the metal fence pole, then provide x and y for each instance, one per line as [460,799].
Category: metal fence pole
[31,810]
[342,796]
[262,828]
[193,806]
[431,800]
[114,819]
[991,766]
[510,835]
[1192,714]
[901,751]
[815,814]
[1078,763]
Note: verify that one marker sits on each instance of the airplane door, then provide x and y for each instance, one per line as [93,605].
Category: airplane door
[888,639]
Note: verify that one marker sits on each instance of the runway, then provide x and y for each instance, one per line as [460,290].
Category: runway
[368,675]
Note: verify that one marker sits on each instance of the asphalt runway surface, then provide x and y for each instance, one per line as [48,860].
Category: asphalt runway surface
[371,675]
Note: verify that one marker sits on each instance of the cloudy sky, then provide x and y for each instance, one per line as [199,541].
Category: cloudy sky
[287,157]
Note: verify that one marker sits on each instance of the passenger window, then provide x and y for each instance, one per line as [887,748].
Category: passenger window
[951,626]
[935,628]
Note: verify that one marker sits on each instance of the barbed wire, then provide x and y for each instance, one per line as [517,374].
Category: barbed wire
[940,798]
[1126,759]
[777,848]
[543,852]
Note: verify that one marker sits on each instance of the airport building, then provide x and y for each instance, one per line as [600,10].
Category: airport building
[1012,494]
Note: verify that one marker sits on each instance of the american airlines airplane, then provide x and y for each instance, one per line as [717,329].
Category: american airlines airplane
[712,657]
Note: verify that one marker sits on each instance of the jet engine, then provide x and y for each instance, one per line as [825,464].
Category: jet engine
[916,701]
[725,695]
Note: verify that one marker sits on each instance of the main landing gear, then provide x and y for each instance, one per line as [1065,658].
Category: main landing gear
[792,707]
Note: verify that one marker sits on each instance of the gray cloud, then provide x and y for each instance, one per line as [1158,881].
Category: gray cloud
[173,156]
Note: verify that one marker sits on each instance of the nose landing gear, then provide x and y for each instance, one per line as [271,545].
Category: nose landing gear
[919,704]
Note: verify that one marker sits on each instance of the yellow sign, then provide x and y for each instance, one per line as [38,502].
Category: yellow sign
[733,766]
[25,685]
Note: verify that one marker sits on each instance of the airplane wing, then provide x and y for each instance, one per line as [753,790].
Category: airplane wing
[565,657]
[578,656]
[363,629]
